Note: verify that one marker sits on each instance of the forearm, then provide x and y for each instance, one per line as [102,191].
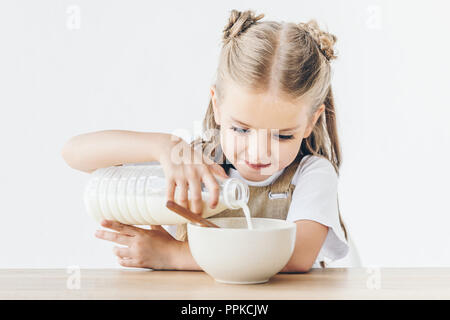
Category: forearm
[90,151]
[291,268]
[310,236]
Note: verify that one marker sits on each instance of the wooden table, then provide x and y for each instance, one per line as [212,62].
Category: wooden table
[332,283]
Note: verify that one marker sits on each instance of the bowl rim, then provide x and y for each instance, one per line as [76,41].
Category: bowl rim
[288,225]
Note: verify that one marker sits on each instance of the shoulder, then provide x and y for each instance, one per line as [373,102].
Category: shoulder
[312,165]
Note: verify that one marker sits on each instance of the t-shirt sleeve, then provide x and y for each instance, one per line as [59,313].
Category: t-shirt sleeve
[315,198]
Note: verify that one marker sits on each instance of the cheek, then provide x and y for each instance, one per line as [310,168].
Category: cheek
[287,152]
[232,145]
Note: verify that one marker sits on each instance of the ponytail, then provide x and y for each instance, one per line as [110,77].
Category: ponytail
[324,141]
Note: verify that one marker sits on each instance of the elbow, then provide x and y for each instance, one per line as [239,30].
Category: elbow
[67,153]
[304,269]
[297,267]
[302,265]
[72,157]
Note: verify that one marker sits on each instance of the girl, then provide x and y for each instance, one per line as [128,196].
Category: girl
[271,122]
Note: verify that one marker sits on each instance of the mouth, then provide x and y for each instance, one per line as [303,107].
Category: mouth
[257,166]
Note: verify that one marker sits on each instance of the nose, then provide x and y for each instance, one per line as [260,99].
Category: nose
[259,147]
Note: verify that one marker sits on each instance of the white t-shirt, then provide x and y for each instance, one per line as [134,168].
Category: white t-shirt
[314,198]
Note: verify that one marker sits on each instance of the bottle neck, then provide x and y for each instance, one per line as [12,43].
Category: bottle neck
[235,193]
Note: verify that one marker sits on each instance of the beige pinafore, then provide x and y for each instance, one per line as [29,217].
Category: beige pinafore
[271,201]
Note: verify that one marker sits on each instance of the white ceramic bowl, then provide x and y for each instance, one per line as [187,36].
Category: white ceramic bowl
[237,255]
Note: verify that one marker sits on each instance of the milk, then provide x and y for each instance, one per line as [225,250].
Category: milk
[151,210]
[136,195]
[248,217]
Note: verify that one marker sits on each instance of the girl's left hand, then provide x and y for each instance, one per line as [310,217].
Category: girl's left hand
[145,248]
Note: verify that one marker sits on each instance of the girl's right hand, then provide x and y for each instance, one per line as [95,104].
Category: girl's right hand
[187,173]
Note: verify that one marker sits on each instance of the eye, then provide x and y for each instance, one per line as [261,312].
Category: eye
[284,137]
[239,130]
[278,136]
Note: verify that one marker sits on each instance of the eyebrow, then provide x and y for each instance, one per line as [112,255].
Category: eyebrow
[246,125]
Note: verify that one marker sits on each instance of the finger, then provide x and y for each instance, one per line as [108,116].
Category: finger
[182,194]
[170,189]
[123,228]
[122,252]
[113,236]
[195,188]
[213,189]
[131,263]
[218,170]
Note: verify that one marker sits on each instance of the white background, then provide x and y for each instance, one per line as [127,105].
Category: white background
[148,66]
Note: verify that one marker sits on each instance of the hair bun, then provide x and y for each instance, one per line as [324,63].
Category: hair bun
[324,40]
[238,23]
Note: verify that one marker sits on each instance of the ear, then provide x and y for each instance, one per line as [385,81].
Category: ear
[313,121]
[215,106]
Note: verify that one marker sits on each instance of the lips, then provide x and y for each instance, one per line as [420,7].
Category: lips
[257,166]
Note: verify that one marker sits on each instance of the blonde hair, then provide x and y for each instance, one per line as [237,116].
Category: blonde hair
[293,59]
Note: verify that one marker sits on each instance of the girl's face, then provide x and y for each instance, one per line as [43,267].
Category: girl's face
[261,129]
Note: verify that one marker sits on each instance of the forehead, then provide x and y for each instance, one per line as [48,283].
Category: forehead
[263,110]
